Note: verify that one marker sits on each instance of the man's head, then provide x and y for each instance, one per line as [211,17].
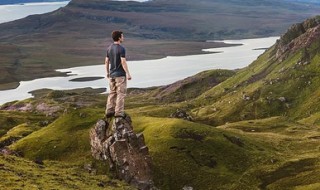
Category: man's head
[117,35]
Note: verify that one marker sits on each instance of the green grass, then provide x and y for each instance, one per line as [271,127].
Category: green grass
[66,139]
[266,82]
[10,119]
[191,87]
[295,160]
[19,173]
[197,155]
[183,153]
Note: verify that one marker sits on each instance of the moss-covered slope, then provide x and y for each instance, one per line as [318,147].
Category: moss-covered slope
[18,173]
[282,81]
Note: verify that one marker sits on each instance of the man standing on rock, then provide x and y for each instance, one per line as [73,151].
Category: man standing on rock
[118,74]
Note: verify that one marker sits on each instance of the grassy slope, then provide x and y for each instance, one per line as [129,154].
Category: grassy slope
[275,152]
[178,148]
[10,119]
[18,173]
[265,82]
[62,137]
[295,163]
[65,139]
[190,154]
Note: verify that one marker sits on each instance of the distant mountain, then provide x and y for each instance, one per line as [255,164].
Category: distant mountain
[78,33]
[306,1]
[7,2]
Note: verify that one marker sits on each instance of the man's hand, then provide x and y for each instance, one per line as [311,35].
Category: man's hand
[106,62]
[128,76]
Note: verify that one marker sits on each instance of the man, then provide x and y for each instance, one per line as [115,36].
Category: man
[118,74]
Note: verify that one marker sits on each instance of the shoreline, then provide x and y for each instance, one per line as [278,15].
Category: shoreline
[36,3]
[159,51]
[22,10]
[147,73]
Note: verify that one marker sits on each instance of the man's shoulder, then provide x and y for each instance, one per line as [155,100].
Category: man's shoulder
[122,47]
[109,46]
[115,46]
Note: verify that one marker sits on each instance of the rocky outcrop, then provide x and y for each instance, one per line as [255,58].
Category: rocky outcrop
[7,151]
[124,150]
[298,36]
[44,108]
[181,115]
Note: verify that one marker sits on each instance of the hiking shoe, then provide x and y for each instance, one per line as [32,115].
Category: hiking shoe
[110,114]
[123,115]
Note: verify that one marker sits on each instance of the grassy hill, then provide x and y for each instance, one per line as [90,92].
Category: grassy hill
[282,81]
[78,34]
[256,128]
[17,173]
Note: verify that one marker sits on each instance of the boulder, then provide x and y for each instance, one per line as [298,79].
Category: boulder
[234,140]
[282,99]
[124,150]
[181,115]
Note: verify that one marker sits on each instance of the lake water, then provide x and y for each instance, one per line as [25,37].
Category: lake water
[145,73]
[149,73]
[18,11]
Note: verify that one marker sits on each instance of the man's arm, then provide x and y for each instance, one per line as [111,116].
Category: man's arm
[107,63]
[125,67]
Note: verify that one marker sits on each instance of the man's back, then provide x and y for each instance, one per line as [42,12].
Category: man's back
[114,53]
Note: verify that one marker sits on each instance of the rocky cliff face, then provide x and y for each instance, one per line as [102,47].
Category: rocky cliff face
[124,150]
[298,36]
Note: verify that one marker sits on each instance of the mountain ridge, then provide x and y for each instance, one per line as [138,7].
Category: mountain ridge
[9,2]
[277,69]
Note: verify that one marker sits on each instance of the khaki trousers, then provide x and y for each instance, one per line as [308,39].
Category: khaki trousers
[118,90]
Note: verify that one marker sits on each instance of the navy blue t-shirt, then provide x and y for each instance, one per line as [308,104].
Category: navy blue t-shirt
[114,53]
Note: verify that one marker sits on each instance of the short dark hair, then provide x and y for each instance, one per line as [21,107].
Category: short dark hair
[116,35]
